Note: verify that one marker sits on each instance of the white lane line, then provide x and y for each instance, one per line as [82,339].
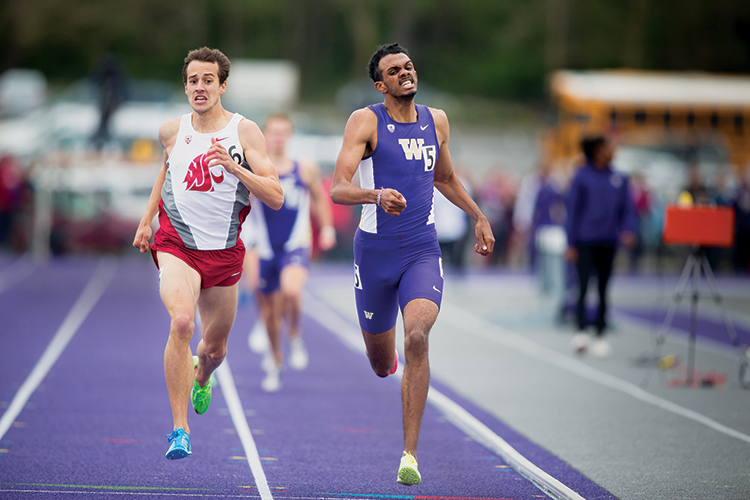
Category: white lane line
[465,421]
[468,322]
[226,382]
[73,321]
[21,269]
[456,414]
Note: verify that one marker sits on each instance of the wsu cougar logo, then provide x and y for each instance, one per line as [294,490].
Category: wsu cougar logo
[199,177]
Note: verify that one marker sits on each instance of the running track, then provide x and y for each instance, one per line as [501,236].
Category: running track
[84,408]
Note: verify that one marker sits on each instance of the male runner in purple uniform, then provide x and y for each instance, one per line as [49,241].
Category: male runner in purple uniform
[283,242]
[401,151]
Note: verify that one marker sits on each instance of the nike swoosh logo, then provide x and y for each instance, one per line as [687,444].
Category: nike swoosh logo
[219,140]
[435,288]
[424,128]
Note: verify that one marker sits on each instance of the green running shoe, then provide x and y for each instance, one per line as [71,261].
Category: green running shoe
[201,396]
[408,474]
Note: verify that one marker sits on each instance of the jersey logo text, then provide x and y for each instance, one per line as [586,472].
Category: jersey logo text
[199,177]
[368,315]
[412,148]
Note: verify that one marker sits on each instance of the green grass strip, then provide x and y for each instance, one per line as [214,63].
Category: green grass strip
[105,487]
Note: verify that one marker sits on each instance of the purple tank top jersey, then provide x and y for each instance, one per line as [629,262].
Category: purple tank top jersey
[295,211]
[404,159]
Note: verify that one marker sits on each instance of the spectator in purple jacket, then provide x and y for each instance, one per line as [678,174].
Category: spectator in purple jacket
[600,215]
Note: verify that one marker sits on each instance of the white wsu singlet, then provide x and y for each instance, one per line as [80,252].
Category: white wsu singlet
[205,206]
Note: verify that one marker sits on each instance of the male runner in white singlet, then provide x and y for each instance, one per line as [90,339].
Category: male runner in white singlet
[401,151]
[202,195]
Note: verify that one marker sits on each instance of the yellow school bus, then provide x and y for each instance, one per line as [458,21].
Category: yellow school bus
[647,108]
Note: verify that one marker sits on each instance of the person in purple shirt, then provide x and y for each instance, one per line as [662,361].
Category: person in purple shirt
[600,215]
[401,151]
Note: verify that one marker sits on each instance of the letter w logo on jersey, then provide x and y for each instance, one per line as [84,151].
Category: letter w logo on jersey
[412,148]
[198,177]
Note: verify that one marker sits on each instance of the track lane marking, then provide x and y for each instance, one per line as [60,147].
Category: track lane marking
[460,318]
[228,388]
[21,269]
[348,332]
[90,295]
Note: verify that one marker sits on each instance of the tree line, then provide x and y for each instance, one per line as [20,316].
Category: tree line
[491,48]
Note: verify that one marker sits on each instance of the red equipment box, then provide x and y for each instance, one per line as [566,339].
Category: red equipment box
[702,225]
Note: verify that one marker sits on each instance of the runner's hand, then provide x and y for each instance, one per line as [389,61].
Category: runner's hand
[485,239]
[142,236]
[392,202]
[218,155]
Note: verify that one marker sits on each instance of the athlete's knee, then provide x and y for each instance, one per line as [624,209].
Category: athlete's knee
[416,340]
[381,367]
[182,326]
[291,297]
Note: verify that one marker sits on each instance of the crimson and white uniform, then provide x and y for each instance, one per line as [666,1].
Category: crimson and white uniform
[202,209]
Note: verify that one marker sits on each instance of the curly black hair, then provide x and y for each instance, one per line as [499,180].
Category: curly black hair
[373,68]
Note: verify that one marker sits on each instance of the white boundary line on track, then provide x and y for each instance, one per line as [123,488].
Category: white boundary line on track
[456,414]
[22,268]
[460,318]
[78,313]
[226,382]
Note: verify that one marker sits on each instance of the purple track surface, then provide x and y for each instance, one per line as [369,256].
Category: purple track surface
[705,327]
[95,426]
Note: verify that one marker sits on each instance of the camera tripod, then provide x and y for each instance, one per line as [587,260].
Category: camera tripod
[689,283]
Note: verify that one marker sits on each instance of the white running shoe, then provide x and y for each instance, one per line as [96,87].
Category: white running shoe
[600,348]
[298,357]
[258,339]
[408,474]
[272,381]
[268,362]
[579,343]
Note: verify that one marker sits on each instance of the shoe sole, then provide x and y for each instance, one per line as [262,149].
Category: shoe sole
[408,477]
[177,454]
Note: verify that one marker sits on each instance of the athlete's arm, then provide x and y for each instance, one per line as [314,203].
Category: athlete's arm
[448,183]
[167,135]
[262,181]
[360,135]
[319,204]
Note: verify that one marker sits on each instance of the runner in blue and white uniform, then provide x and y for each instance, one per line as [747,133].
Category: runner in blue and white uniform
[283,243]
[401,151]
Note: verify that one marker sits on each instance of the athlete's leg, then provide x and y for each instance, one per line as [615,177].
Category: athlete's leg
[271,309]
[381,351]
[179,289]
[293,278]
[250,269]
[419,316]
[217,306]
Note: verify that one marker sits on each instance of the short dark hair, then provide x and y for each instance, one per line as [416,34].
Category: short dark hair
[591,144]
[373,68]
[204,54]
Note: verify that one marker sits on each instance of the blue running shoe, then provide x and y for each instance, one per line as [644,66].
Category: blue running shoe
[179,444]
